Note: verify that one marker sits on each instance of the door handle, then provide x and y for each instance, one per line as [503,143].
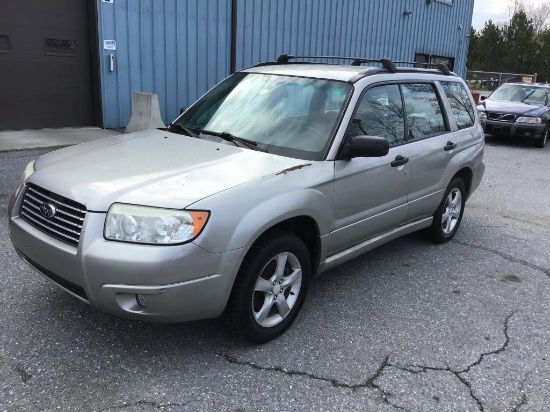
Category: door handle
[400,161]
[450,146]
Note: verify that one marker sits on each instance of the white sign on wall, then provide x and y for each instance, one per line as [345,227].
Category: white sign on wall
[109,44]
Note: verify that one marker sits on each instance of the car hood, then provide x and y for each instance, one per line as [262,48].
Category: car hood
[516,108]
[153,168]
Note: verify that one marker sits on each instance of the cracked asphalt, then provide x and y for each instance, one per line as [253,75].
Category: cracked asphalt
[410,326]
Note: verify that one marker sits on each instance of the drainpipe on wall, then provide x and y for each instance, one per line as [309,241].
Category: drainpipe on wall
[233,57]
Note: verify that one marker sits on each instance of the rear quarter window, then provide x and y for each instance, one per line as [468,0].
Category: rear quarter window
[461,104]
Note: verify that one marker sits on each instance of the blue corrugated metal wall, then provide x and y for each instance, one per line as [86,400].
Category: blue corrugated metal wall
[366,28]
[177,49]
[180,48]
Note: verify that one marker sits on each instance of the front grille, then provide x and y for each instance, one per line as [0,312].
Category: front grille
[65,225]
[503,117]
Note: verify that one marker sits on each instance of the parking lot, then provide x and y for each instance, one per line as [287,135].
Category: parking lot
[412,326]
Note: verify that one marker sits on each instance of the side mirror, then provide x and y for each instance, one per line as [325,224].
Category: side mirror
[482,98]
[367,146]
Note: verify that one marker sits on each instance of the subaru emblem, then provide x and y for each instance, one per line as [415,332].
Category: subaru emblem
[47,210]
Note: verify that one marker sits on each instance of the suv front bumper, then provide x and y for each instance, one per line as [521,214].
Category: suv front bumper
[178,283]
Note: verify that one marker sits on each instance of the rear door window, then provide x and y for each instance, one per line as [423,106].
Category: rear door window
[424,114]
[460,102]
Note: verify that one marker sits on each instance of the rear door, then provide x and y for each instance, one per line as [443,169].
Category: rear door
[437,144]
[431,147]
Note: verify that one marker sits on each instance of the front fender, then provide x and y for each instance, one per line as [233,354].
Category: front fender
[283,207]
[240,215]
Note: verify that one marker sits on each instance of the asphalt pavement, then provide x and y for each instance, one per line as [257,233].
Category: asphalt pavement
[409,326]
[13,140]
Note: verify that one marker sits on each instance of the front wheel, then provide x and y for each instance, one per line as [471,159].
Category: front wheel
[270,287]
[448,216]
[541,141]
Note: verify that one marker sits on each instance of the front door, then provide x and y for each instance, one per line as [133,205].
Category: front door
[370,194]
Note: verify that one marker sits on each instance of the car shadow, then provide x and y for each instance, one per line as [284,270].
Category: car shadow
[78,324]
[496,140]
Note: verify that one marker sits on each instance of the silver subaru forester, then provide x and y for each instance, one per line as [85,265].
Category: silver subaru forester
[280,172]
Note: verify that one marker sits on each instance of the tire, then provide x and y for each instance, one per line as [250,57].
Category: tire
[270,287]
[541,141]
[449,214]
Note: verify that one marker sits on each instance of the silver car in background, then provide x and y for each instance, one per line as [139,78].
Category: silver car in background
[280,172]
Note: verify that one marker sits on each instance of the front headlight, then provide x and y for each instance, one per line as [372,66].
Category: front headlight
[151,225]
[29,170]
[531,120]
[482,115]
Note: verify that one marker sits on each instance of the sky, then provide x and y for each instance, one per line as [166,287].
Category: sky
[496,10]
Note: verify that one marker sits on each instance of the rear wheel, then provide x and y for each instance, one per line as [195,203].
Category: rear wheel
[541,141]
[271,286]
[448,216]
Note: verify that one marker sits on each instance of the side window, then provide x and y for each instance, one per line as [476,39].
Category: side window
[424,114]
[460,102]
[380,113]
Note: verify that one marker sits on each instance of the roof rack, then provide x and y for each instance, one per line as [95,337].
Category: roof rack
[356,61]
[442,67]
[388,64]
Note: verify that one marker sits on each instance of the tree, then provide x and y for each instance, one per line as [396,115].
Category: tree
[514,6]
[520,45]
[473,49]
[543,67]
[540,17]
[490,48]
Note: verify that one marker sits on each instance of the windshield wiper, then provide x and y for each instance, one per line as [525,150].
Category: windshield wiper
[234,139]
[526,97]
[178,128]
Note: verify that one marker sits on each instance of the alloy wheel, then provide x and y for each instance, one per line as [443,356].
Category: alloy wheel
[451,211]
[277,289]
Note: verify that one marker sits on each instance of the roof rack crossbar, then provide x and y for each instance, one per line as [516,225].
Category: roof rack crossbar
[388,64]
[284,58]
[442,67]
[356,61]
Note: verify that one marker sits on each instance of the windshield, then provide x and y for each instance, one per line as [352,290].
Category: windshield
[290,116]
[521,93]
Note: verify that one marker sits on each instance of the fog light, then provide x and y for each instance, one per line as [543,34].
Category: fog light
[141,300]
